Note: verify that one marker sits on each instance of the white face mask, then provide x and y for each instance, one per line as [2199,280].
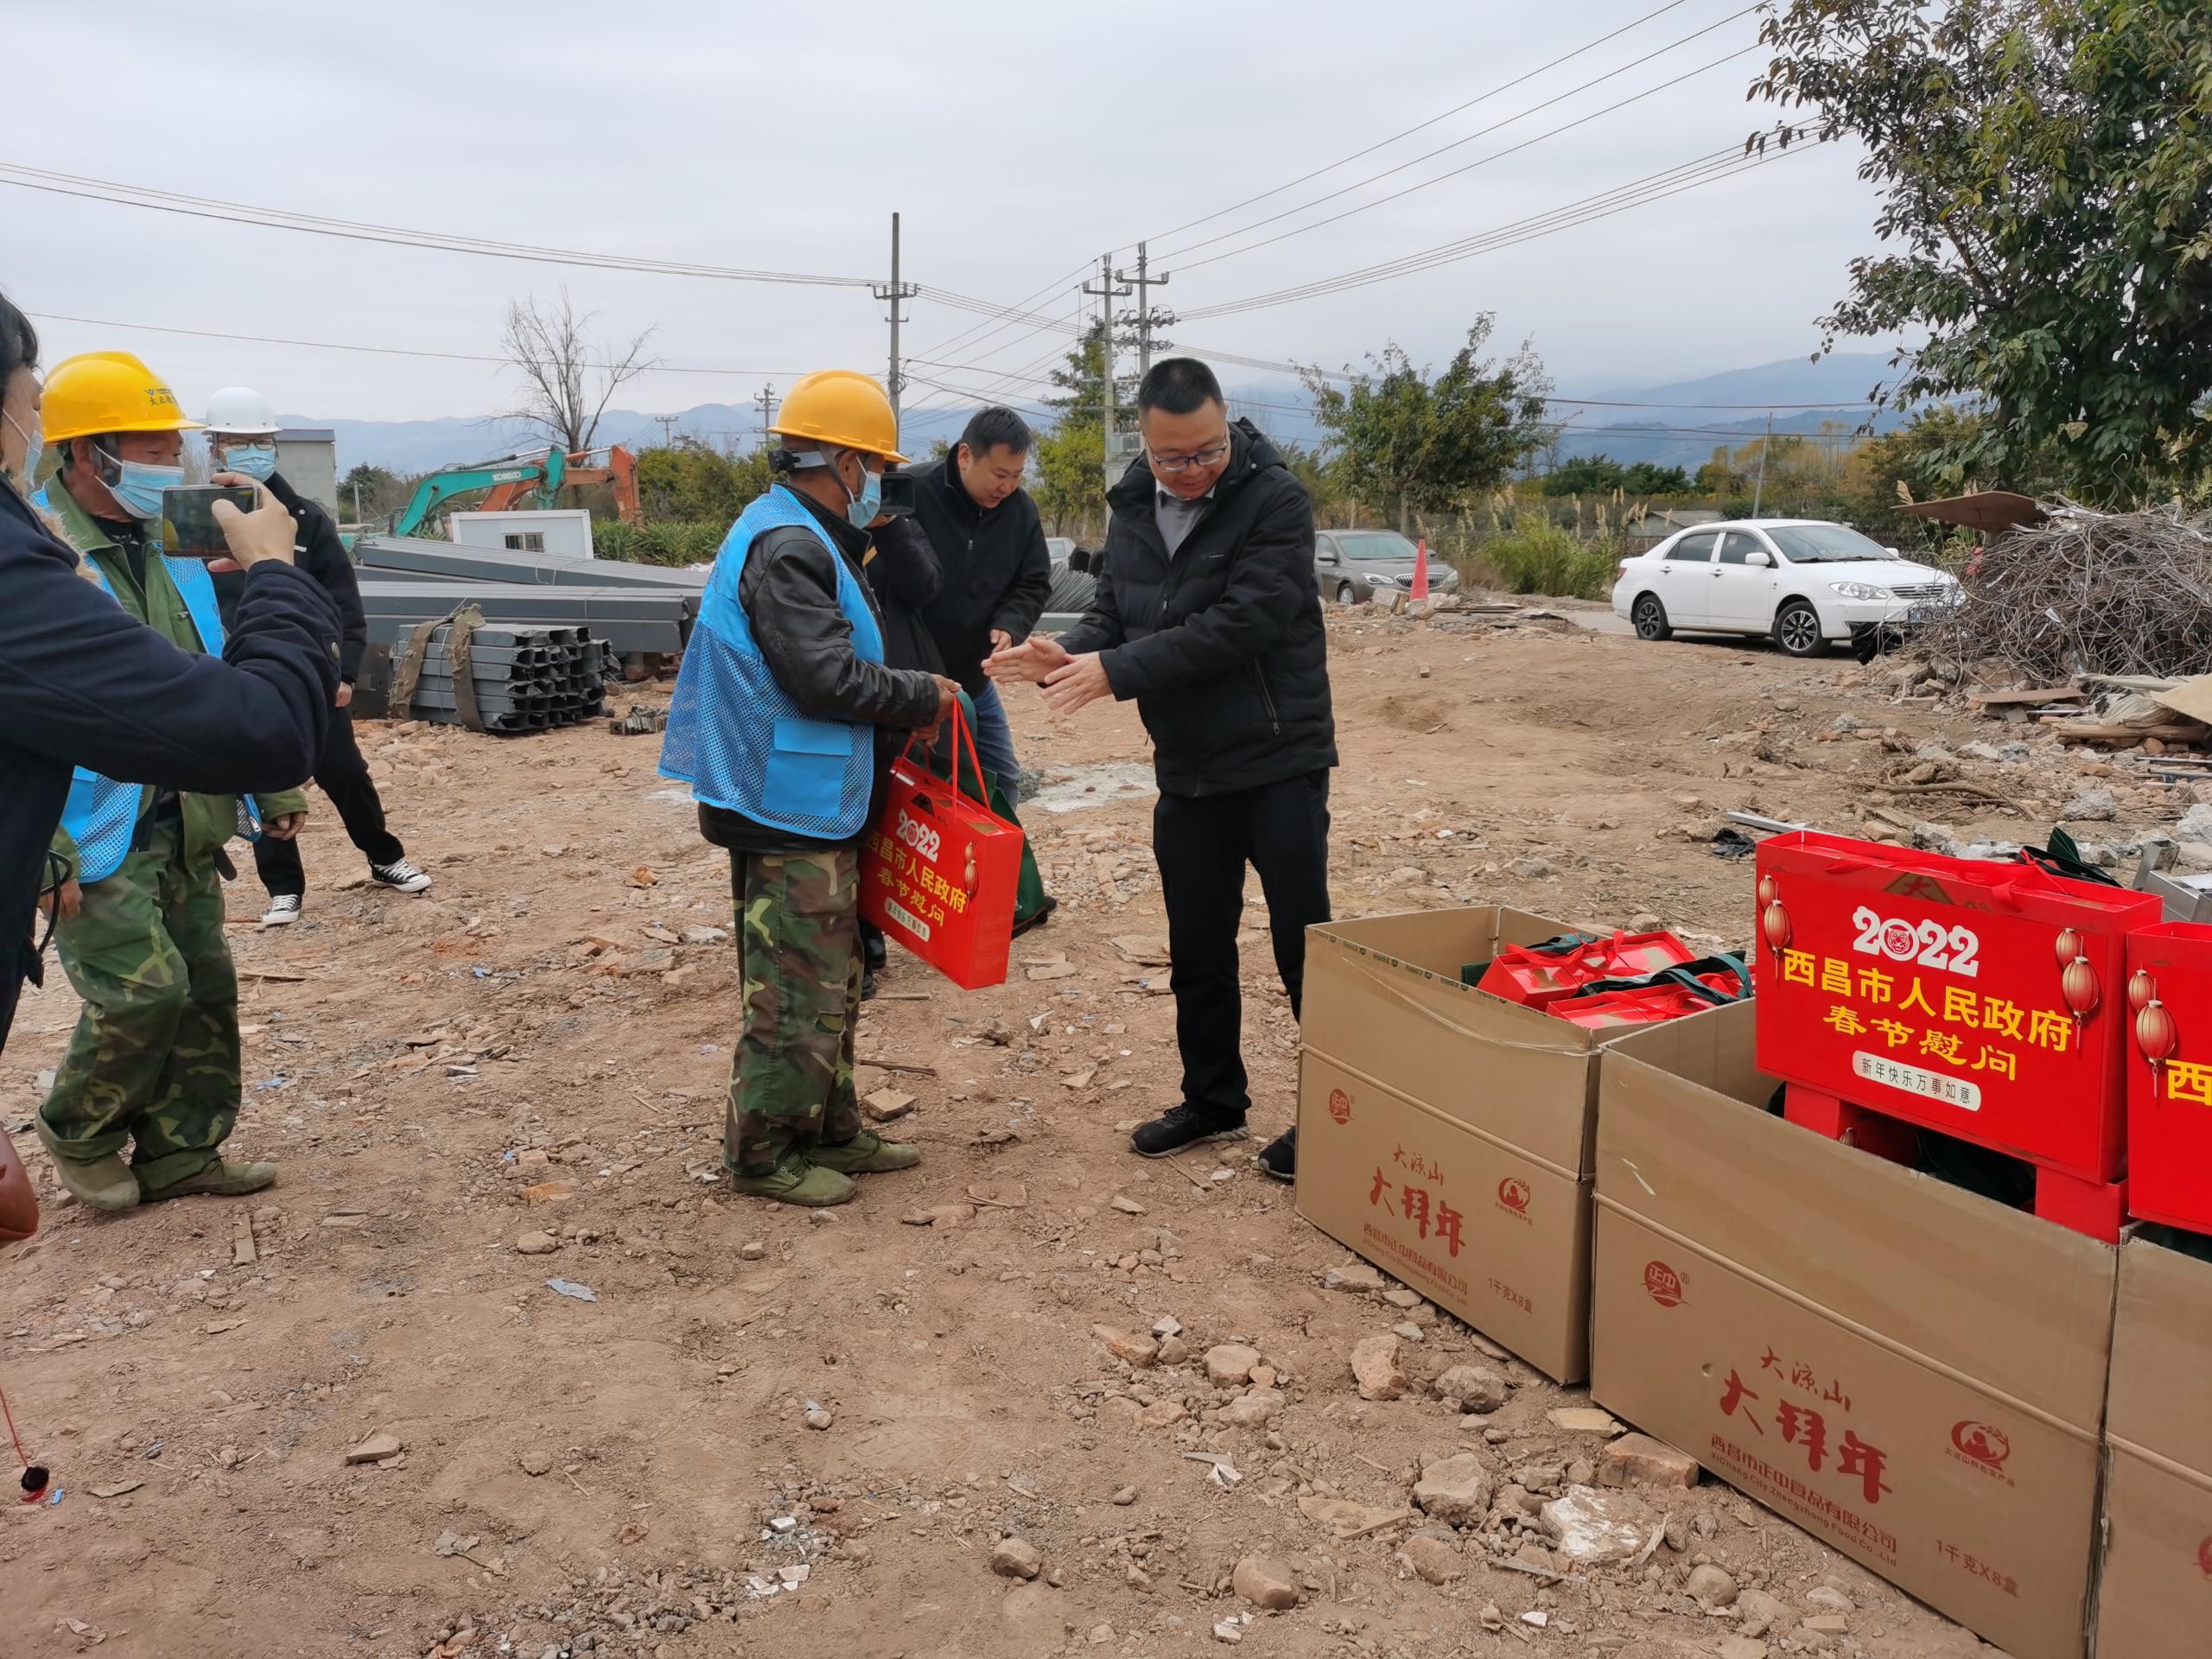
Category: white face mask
[34,449]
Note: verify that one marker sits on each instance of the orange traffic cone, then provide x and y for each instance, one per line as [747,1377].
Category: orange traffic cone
[1421,568]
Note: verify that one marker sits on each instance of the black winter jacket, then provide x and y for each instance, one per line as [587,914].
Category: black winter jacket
[1223,646]
[905,575]
[997,569]
[789,591]
[319,551]
[81,683]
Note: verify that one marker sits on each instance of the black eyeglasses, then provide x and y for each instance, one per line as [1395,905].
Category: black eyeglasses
[1174,464]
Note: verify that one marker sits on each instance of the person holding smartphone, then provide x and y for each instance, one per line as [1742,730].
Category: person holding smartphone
[154,1061]
[242,431]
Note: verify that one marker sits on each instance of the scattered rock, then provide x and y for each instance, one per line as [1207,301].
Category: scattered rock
[376,1449]
[1533,869]
[536,1461]
[1254,1410]
[1407,1332]
[1342,1515]
[1758,1613]
[2091,806]
[1017,1558]
[887,1105]
[1266,1583]
[754,1250]
[1163,1414]
[2196,824]
[1174,1350]
[536,1243]
[1358,1277]
[1711,1587]
[1740,1647]
[1128,1205]
[1828,1625]
[1477,1388]
[1597,1528]
[1229,1364]
[819,1418]
[946,1216]
[1455,1489]
[1436,1562]
[1375,1365]
[1126,1497]
[1584,1420]
[1228,1631]
[1824,1600]
[1140,1352]
[1639,1460]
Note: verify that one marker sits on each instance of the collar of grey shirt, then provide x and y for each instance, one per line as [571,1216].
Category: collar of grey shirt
[1177,517]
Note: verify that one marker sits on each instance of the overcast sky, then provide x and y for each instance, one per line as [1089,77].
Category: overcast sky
[1017,140]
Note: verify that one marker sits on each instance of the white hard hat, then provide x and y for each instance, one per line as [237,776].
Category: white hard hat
[242,411]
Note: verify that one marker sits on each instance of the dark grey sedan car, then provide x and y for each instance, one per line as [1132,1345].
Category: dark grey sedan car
[1352,565]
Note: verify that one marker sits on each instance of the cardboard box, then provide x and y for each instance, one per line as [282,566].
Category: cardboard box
[2154,1598]
[1910,1372]
[1446,1135]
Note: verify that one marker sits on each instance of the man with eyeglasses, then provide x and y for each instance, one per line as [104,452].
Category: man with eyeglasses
[1207,614]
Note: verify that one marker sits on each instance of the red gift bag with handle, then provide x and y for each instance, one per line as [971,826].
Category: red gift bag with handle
[939,868]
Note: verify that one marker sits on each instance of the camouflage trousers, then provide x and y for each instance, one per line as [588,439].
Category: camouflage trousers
[154,1059]
[798,943]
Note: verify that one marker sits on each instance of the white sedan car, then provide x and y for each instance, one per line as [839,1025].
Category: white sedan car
[1804,582]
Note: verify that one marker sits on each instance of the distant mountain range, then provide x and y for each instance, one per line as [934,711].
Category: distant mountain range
[1674,423]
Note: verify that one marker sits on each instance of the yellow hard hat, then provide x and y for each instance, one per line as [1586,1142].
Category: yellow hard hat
[839,406]
[109,391]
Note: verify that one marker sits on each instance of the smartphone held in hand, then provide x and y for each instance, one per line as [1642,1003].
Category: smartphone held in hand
[188,526]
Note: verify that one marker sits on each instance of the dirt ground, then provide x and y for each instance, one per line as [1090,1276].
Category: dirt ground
[538,1047]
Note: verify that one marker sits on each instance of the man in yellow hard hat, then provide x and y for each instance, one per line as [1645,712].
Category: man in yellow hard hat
[783,699]
[154,1064]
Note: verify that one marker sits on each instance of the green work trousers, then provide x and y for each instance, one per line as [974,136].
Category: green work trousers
[154,1059]
[799,957]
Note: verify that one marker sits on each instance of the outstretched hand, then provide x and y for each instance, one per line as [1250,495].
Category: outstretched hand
[1078,681]
[1031,661]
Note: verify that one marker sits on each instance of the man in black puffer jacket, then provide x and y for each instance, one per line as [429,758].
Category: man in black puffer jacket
[1208,614]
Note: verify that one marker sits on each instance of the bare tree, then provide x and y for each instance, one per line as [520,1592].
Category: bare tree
[569,382]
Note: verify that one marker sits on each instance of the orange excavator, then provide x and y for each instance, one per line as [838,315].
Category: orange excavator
[612,466]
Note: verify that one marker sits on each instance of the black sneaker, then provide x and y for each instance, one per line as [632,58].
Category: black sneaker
[1280,1157]
[868,984]
[1185,1126]
[1044,915]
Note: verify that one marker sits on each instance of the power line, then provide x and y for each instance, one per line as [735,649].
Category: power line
[1653,187]
[1382,144]
[1511,149]
[131,195]
[1183,253]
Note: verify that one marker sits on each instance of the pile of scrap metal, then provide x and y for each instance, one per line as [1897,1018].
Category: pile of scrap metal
[460,670]
[640,611]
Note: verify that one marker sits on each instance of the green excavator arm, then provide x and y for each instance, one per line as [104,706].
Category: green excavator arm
[545,470]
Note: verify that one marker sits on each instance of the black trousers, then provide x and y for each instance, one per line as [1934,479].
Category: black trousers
[343,775]
[1202,845]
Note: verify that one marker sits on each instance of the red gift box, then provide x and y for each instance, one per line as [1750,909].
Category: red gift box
[938,870]
[2169,1015]
[1980,999]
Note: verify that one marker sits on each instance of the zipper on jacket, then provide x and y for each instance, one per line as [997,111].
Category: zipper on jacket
[1267,696]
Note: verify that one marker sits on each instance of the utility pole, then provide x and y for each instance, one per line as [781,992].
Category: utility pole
[1108,291]
[668,429]
[1143,281]
[767,402]
[1759,495]
[896,292]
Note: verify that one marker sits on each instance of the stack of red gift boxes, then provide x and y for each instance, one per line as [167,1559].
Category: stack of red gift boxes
[2045,1018]
[1610,983]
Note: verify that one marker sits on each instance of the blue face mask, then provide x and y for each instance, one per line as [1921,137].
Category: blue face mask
[138,490]
[861,511]
[255,461]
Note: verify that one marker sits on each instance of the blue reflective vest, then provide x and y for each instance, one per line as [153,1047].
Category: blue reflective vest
[736,736]
[102,815]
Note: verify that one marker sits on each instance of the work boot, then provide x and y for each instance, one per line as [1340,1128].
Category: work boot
[1280,1157]
[796,1181]
[867,1153]
[218,1180]
[1186,1126]
[103,1183]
